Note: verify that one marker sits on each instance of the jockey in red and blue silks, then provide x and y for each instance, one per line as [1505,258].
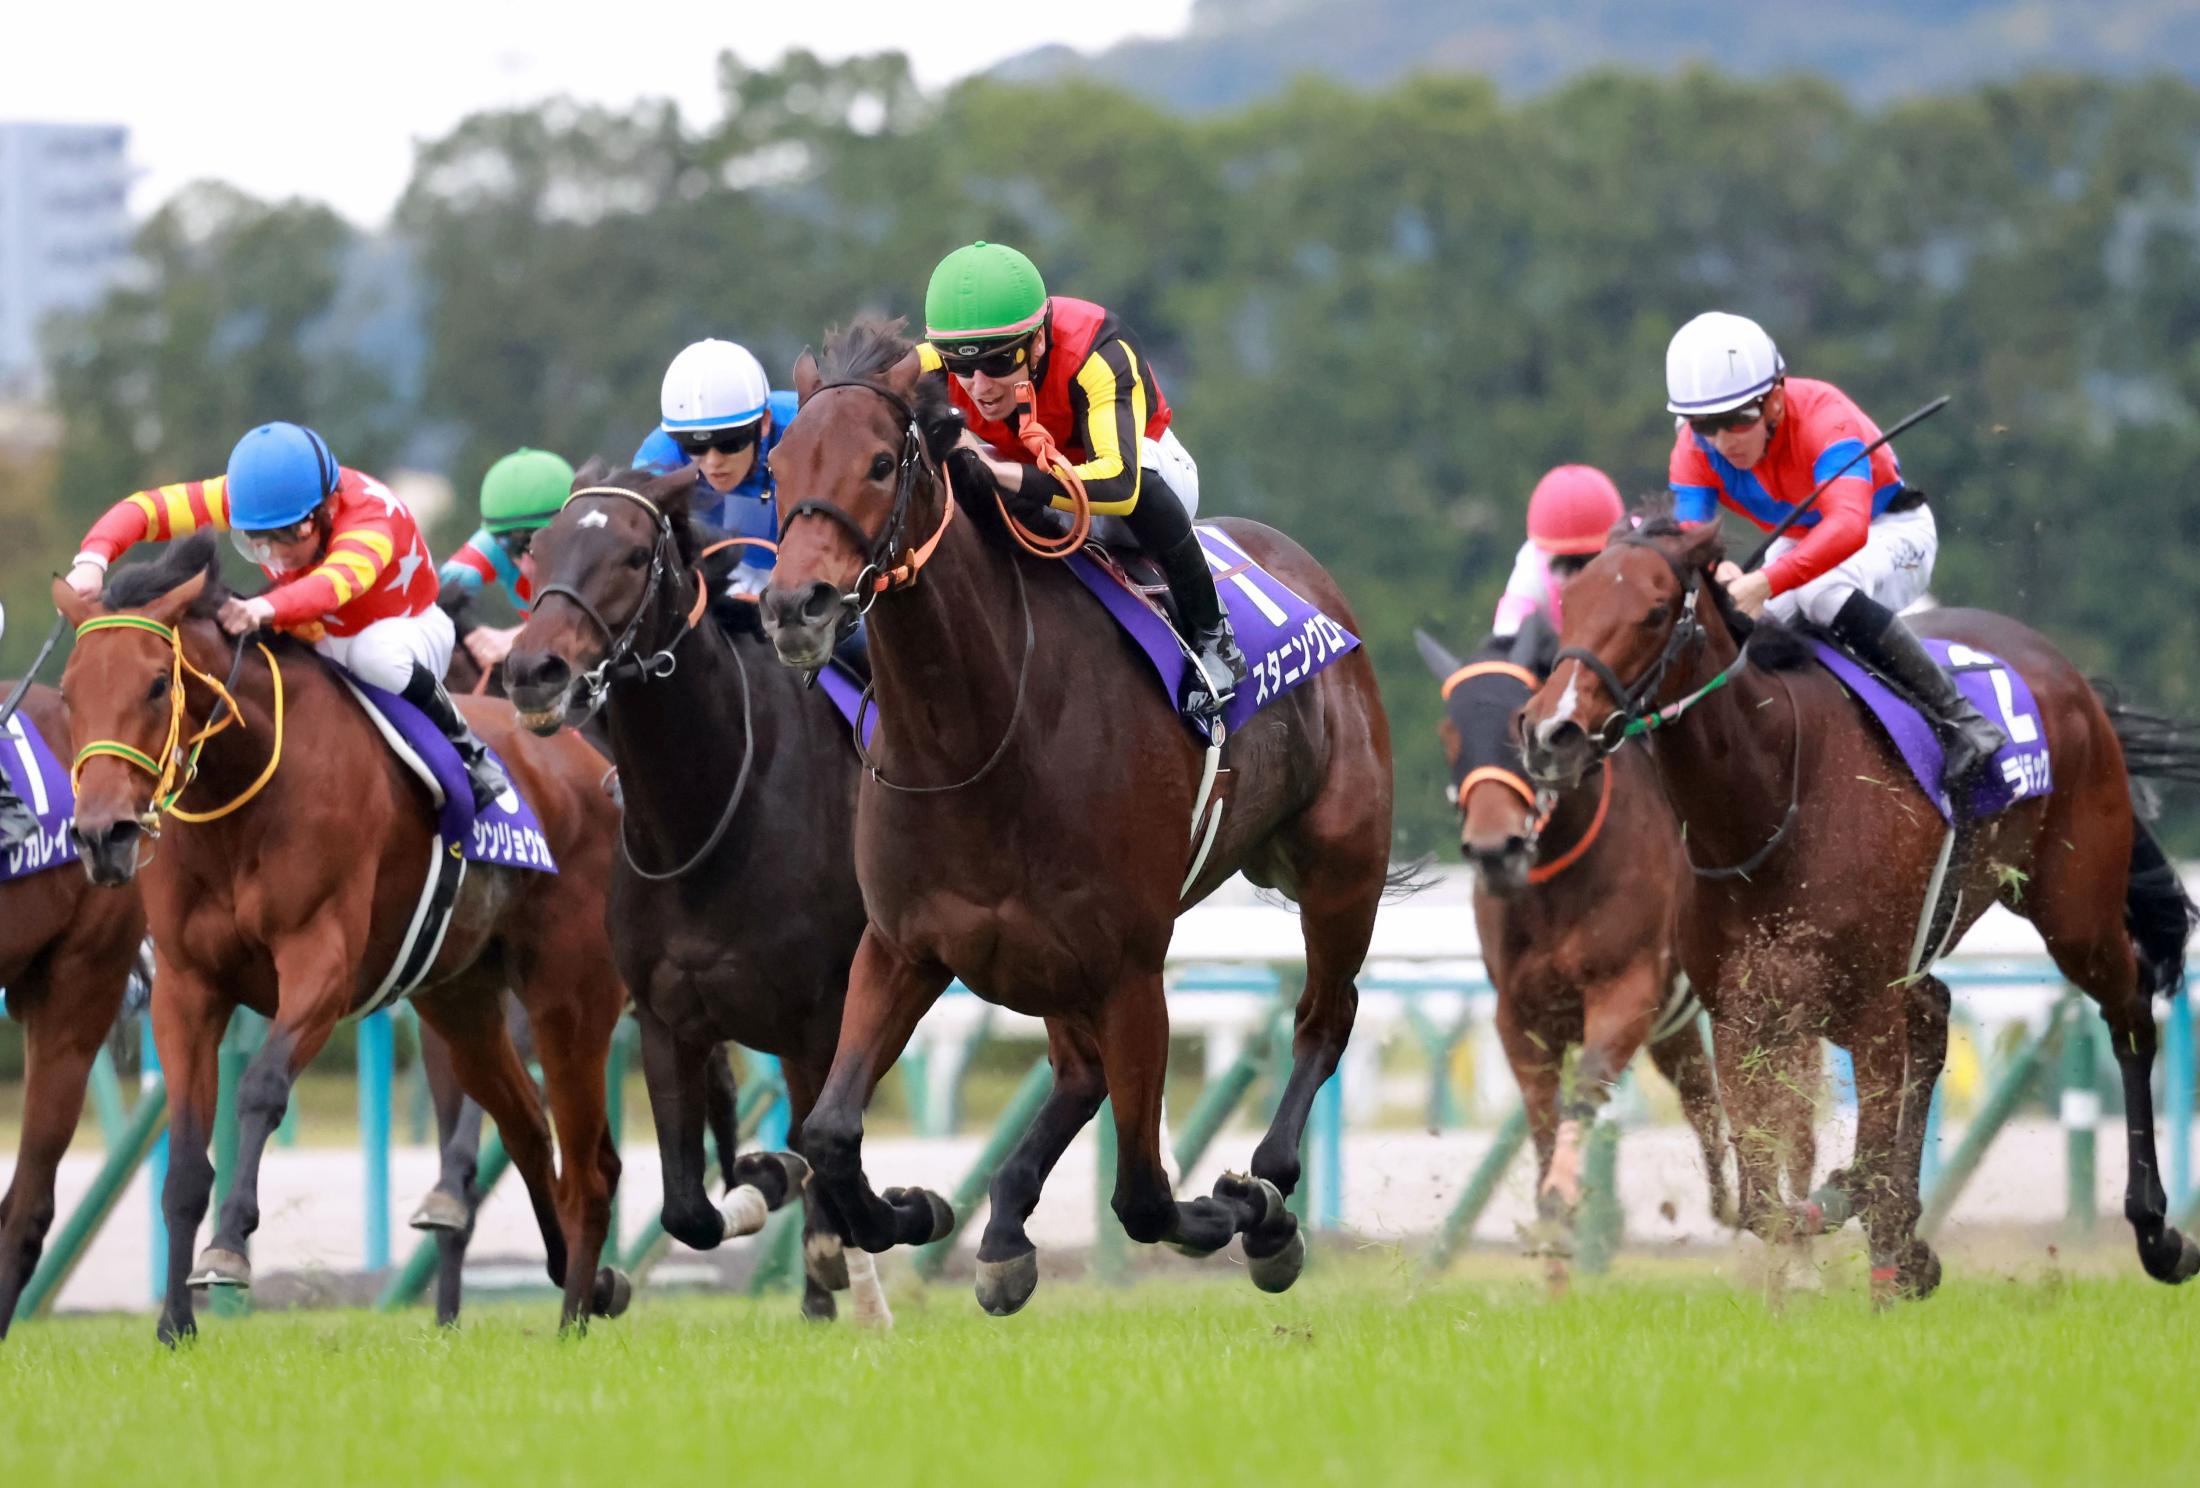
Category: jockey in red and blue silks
[1758,442]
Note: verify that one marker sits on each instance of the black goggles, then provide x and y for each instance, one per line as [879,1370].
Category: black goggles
[1733,419]
[725,441]
[297,531]
[993,359]
[516,542]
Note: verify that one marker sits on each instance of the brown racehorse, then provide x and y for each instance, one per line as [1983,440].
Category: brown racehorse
[1575,903]
[734,906]
[65,956]
[295,903]
[1812,855]
[1028,826]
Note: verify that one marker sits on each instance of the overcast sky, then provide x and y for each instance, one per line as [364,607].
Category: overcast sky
[327,101]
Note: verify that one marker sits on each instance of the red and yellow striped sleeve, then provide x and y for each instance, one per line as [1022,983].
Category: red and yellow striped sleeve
[357,557]
[158,515]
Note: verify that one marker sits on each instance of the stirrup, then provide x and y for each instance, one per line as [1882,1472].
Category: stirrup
[18,823]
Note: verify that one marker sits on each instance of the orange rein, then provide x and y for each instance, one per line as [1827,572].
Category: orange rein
[1048,455]
[702,589]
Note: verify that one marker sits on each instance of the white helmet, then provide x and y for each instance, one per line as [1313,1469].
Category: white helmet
[1717,362]
[714,385]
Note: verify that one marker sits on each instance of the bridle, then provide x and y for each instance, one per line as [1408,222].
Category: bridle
[1633,716]
[620,664]
[880,572]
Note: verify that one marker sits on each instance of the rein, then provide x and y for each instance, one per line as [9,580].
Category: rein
[179,757]
[22,686]
[877,576]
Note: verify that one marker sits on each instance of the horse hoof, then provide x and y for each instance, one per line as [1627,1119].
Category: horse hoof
[1005,1286]
[1920,1276]
[1264,1197]
[440,1211]
[614,1292]
[818,1305]
[174,1333]
[743,1211]
[939,1217]
[221,1268]
[1277,1272]
[2173,1259]
[797,1171]
[826,1261]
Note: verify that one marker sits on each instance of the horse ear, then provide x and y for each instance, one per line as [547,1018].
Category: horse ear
[1441,663]
[591,472]
[902,376]
[670,492]
[806,376]
[1704,546]
[74,609]
[171,607]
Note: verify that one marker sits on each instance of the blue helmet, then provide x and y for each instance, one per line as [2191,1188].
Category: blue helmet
[278,474]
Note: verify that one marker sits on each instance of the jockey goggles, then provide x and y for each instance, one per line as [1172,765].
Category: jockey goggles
[516,542]
[726,441]
[1731,421]
[994,359]
[257,545]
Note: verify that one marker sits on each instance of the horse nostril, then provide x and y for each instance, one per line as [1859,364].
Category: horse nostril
[818,602]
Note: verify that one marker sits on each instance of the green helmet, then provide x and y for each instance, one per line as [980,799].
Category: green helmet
[524,489]
[983,292]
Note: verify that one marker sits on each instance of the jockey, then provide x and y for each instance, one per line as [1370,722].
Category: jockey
[1758,441]
[1014,353]
[1572,511]
[519,496]
[351,574]
[722,417]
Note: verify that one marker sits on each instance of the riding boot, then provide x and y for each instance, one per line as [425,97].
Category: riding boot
[426,693]
[18,823]
[1162,528]
[1878,635]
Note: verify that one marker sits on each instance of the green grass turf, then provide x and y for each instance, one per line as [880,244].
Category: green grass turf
[1360,1376]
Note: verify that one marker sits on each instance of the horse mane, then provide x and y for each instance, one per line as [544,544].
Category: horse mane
[870,346]
[179,563]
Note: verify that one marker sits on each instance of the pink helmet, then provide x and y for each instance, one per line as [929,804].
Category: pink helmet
[1573,510]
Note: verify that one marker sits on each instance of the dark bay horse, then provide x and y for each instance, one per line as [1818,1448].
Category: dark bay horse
[66,950]
[287,887]
[1812,854]
[1029,829]
[449,1209]
[1575,902]
[734,908]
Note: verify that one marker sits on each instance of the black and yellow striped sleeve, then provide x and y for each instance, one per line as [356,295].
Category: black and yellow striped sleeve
[1108,396]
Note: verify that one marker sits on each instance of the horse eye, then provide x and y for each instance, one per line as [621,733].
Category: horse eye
[158,692]
[1657,619]
[882,465]
[638,558]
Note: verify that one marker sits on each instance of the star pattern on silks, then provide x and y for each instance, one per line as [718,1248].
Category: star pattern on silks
[391,506]
[409,565]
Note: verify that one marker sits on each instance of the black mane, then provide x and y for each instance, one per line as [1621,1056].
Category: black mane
[138,585]
[870,346]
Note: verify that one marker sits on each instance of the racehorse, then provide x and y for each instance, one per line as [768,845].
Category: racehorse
[1025,825]
[65,956]
[290,891]
[733,900]
[1575,903]
[1805,913]
[449,1209]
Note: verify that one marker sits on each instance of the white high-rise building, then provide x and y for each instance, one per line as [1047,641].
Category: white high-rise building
[64,232]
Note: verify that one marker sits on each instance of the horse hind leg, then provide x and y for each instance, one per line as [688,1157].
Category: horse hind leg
[61,1040]
[1008,1263]
[1918,1268]
[447,1210]
[722,1110]
[573,1029]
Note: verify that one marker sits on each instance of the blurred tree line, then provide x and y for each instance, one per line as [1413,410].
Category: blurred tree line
[1380,315]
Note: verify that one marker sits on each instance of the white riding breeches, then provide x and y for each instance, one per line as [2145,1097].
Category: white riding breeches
[1894,567]
[383,654]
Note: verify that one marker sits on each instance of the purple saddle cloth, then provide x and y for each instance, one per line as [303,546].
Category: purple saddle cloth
[508,834]
[2020,769]
[41,781]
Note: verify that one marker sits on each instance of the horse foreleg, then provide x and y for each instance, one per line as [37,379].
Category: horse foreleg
[60,1040]
[1534,1055]
[1008,1263]
[722,1110]
[674,1070]
[826,1267]
[1926,1014]
[1880,1055]
[886,997]
[189,1018]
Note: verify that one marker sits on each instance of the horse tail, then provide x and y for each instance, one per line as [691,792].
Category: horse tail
[1404,880]
[2157,911]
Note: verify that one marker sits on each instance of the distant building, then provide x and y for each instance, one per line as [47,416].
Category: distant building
[64,232]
